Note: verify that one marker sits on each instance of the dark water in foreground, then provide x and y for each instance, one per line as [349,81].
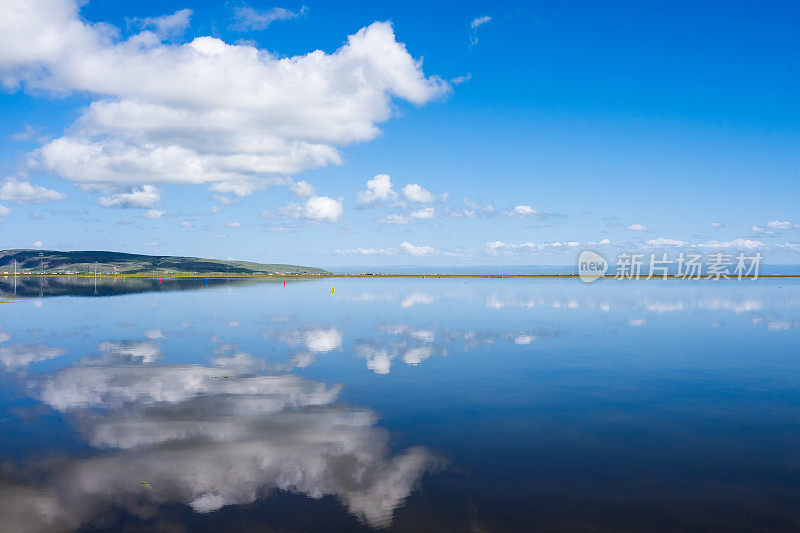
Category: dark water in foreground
[410,404]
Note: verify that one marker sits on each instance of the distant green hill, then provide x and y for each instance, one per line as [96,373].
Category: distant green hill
[52,262]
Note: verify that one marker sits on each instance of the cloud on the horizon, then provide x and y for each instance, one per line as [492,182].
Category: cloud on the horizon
[367,251]
[503,248]
[526,211]
[661,242]
[782,224]
[417,251]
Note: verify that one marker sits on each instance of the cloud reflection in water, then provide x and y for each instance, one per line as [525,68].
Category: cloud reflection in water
[205,440]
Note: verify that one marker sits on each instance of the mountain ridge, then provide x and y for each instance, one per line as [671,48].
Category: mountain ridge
[118,263]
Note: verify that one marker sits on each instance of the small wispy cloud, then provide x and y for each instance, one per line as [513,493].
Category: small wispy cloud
[782,224]
[474,25]
[23,192]
[458,80]
[146,196]
[249,19]
[27,134]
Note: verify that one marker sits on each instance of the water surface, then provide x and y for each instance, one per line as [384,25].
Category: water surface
[409,404]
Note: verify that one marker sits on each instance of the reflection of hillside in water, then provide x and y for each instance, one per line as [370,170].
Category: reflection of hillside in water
[206,437]
[43,286]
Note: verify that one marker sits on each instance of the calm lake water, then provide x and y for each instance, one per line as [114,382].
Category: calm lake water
[410,404]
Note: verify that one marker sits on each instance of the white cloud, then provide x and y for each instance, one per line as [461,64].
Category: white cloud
[500,247]
[23,192]
[716,224]
[661,241]
[301,189]
[154,213]
[379,188]
[322,208]
[168,25]
[785,224]
[225,200]
[38,244]
[315,209]
[366,251]
[479,21]
[734,244]
[426,212]
[204,111]
[144,197]
[241,187]
[526,211]
[281,229]
[394,219]
[637,227]
[186,224]
[416,193]
[417,250]
[458,80]
[234,225]
[474,25]
[27,134]
[4,211]
[248,19]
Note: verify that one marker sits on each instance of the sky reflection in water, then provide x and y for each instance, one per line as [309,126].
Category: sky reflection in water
[423,403]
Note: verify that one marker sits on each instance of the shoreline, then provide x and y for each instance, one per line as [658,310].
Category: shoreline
[346,276]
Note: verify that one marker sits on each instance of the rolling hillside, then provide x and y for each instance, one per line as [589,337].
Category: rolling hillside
[109,263]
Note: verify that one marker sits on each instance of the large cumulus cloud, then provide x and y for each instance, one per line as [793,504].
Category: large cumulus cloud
[203,111]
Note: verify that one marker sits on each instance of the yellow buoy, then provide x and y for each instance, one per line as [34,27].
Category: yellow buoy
[332,289]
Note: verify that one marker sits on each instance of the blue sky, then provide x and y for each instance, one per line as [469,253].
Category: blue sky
[511,133]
